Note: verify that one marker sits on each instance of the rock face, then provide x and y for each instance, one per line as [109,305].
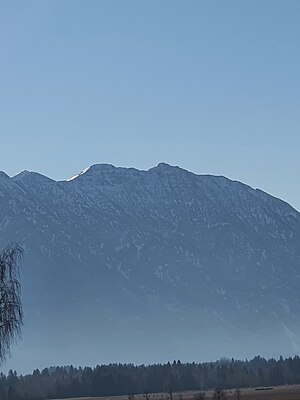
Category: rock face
[146,266]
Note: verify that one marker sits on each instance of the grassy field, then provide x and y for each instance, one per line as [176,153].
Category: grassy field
[289,392]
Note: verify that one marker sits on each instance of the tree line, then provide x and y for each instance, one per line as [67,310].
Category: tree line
[129,379]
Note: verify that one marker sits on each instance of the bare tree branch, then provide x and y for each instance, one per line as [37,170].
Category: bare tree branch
[11,313]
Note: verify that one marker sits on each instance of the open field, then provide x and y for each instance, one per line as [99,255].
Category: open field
[288,392]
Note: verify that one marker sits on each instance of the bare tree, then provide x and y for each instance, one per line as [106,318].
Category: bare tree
[147,396]
[219,394]
[238,393]
[11,313]
[199,396]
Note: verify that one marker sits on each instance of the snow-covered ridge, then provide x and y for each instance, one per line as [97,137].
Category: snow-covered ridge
[80,173]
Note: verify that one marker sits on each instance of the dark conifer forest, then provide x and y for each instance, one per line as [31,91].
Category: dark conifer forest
[128,379]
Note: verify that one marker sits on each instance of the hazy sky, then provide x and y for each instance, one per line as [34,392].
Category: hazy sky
[212,86]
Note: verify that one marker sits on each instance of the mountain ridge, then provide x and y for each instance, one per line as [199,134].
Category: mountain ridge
[197,256]
[159,166]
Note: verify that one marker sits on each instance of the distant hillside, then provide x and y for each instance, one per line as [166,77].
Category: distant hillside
[145,266]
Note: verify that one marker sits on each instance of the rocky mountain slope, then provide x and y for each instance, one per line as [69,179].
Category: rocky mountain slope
[146,266]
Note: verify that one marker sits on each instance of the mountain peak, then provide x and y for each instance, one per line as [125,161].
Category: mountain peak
[3,175]
[103,170]
[163,165]
[31,177]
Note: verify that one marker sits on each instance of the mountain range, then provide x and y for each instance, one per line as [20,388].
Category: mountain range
[125,265]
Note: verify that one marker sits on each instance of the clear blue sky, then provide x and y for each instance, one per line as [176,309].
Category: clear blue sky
[212,86]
